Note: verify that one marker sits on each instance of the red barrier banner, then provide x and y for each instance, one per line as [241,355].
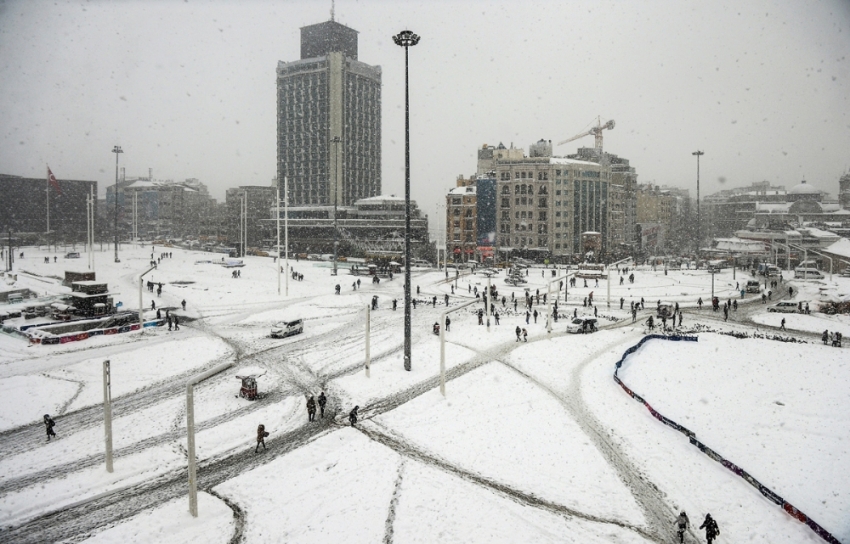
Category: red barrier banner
[113,330]
[794,512]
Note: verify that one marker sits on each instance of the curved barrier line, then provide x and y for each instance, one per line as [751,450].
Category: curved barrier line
[764,490]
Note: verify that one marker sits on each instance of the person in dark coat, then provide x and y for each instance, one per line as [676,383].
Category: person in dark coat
[184,304]
[711,528]
[261,437]
[352,416]
[535,316]
[448,323]
[158,314]
[176,324]
[322,401]
[311,409]
[49,424]
[518,333]
[168,320]
[681,524]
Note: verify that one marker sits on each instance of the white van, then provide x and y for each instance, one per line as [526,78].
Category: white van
[807,274]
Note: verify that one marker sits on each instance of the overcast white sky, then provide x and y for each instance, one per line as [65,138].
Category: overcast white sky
[188,87]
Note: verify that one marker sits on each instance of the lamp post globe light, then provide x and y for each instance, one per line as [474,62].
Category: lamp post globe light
[117,150]
[698,154]
[406,39]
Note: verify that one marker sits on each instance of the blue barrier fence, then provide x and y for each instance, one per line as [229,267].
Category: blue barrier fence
[764,490]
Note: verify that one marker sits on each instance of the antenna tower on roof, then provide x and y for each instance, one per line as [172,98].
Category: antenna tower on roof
[333,8]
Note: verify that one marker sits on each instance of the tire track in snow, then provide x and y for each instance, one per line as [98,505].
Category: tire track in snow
[372,430]
[390,523]
[14,441]
[74,523]
[175,435]
[238,517]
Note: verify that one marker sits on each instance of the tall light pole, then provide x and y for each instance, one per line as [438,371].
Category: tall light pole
[698,154]
[335,140]
[406,39]
[117,150]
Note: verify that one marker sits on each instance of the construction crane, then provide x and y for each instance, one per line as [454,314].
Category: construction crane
[596,131]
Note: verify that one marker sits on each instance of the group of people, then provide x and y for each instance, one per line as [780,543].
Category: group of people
[151,285]
[831,338]
[236,274]
[521,334]
[297,276]
[709,524]
[311,406]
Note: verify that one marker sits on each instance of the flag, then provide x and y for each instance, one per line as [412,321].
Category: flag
[52,179]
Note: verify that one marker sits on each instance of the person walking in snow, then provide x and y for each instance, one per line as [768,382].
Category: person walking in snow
[49,424]
[524,335]
[153,305]
[323,400]
[535,316]
[352,416]
[711,528]
[448,323]
[495,315]
[782,325]
[681,524]
[168,320]
[261,437]
[158,314]
[176,323]
[311,409]
[519,334]
[183,303]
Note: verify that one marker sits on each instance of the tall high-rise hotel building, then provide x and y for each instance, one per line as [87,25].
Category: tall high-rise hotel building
[329,120]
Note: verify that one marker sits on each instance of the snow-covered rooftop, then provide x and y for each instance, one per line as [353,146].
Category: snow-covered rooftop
[564,160]
[840,248]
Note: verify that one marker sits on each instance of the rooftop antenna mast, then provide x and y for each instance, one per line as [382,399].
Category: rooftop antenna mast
[333,8]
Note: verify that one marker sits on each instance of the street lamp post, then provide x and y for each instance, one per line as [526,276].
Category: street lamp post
[698,154]
[117,150]
[406,39]
[107,412]
[335,140]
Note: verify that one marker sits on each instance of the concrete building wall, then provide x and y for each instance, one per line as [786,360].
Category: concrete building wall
[24,201]
[319,98]
[462,220]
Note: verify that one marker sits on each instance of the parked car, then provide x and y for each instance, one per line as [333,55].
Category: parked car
[582,325]
[72,255]
[753,286]
[784,307]
[287,328]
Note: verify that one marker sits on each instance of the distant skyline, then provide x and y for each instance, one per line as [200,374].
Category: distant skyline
[187,88]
